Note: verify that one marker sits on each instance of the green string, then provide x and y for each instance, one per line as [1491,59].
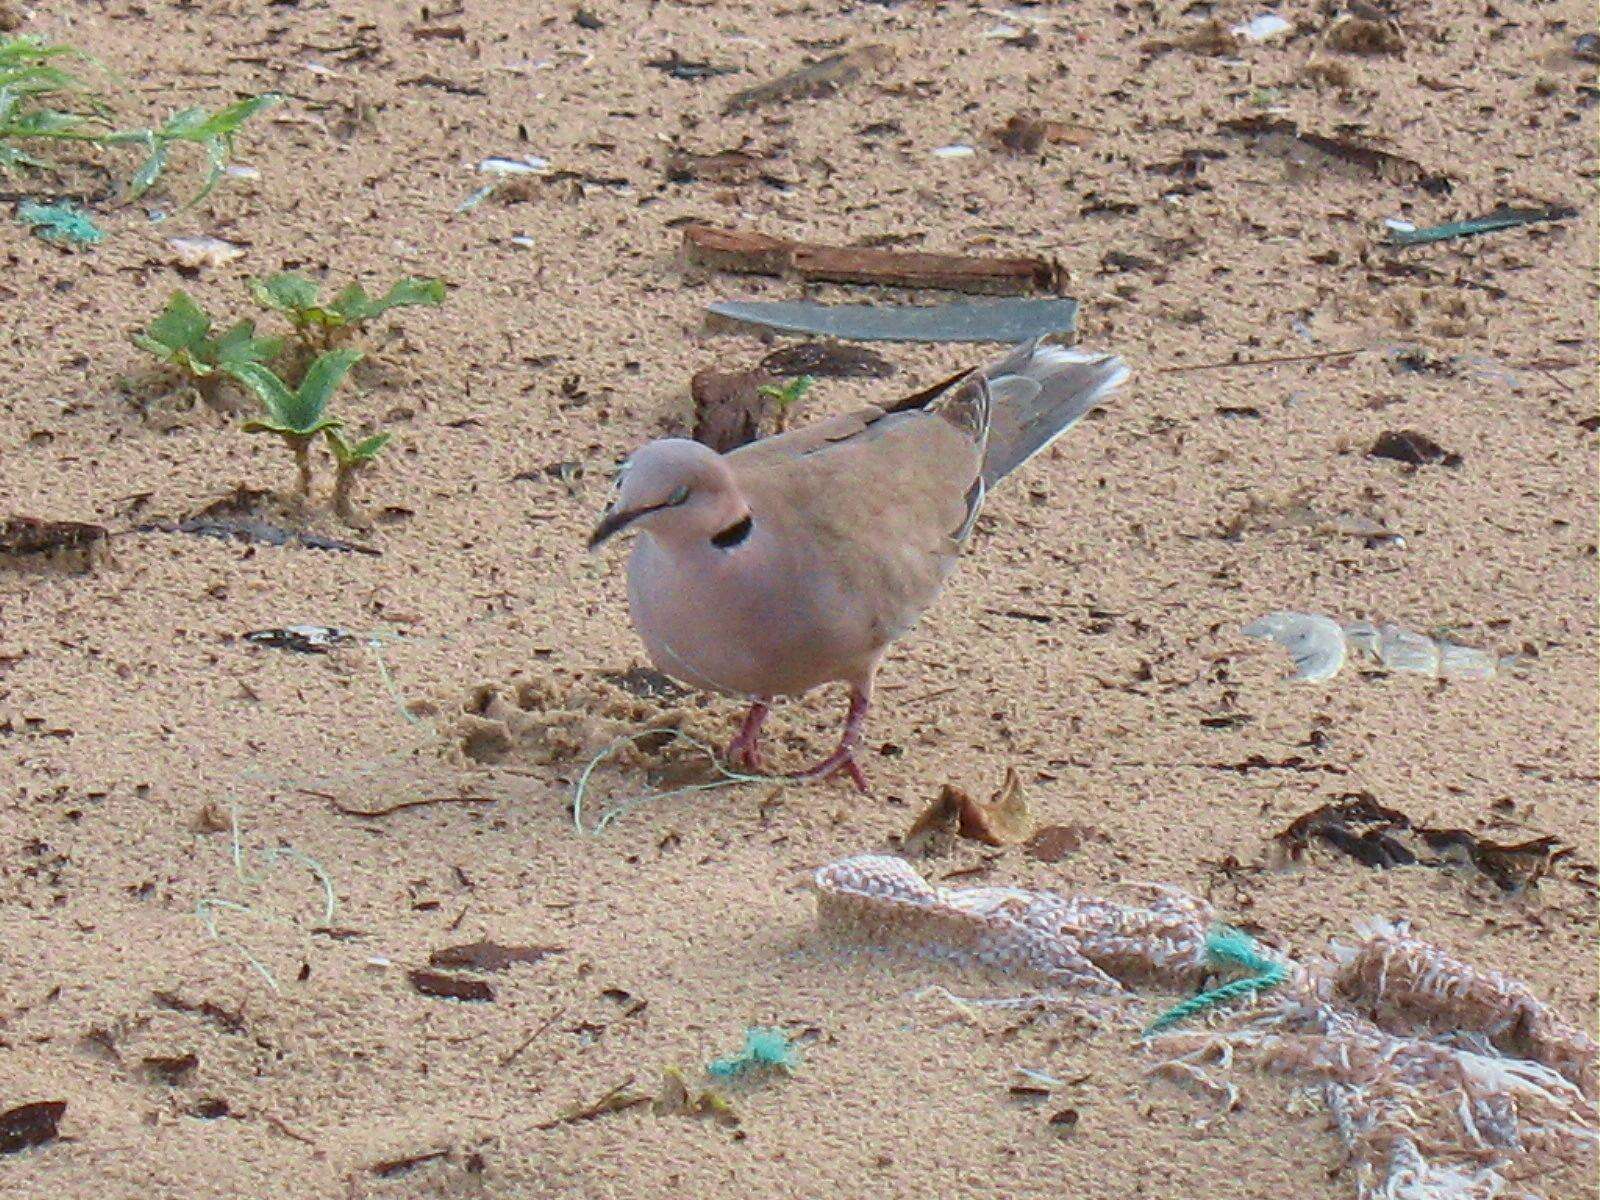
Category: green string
[623,807]
[1226,947]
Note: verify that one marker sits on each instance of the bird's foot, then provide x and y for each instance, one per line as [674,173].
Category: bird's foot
[744,755]
[744,752]
[842,759]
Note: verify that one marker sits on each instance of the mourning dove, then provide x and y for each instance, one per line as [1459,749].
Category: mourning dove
[797,560]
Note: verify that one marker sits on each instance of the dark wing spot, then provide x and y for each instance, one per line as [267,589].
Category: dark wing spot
[733,534]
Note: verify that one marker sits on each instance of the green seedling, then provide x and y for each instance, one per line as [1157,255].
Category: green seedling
[299,299]
[786,396]
[347,461]
[297,416]
[212,132]
[181,337]
[32,86]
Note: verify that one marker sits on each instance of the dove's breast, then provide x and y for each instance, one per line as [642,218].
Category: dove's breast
[754,620]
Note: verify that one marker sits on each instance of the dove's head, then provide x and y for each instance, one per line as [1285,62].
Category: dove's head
[678,490]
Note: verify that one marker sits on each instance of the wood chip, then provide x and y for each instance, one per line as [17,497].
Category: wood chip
[1416,449]
[450,987]
[401,1166]
[30,1125]
[817,79]
[489,956]
[1025,134]
[751,253]
[618,1099]
[23,536]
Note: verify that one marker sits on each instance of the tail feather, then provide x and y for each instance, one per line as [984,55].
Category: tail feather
[1037,393]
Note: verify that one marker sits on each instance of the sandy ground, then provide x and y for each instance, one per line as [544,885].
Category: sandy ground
[1127,700]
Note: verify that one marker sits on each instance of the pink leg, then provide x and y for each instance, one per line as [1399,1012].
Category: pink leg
[844,758]
[744,751]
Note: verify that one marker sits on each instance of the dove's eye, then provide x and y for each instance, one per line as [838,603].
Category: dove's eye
[678,497]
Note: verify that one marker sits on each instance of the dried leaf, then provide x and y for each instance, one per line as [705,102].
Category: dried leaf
[450,987]
[1054,842]
[1003,821]
[677,1097]
[489,956]
[827,360]
[1413,448]
[30,1125]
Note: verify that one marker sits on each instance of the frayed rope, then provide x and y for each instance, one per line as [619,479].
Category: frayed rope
[1226,947]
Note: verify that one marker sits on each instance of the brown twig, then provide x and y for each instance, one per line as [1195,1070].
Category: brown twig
[532,1037]
[339,806]
[1264,362]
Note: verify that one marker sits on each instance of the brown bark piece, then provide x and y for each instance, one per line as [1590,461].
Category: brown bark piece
[819,78]
[760,254]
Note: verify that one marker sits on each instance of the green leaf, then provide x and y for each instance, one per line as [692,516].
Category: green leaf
[324,374]
[182,125]
[362,452]
[240,344]
[225,122]
[273,393]
[289,293]
[182,324]
[145,177]
[355,305]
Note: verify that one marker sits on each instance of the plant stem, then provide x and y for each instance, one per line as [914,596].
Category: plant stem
[302,460]
[343,480]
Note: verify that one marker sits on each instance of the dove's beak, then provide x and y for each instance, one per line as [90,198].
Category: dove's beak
[616,520]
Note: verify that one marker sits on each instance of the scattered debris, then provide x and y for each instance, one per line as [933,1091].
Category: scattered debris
[1401,233]
[257,531]
[171,1069]
[758,254]
[1026,134]
[957,150]
[679,1098]
[727,166]
[818,79]
[449,987]
[502,172]
[828,360]
[489,956]
[1586,47]
[1003,821]
[729,407]
[61,224]
[1263,28]
[1319,645]
[647,684]
[1260,514]
[30,1125]
[1355,34]
[1412,448]
[1001,321]
[195,253]
[764,1049]
[1382,837]
[1300,147]
[684,68]
[1054,842]
[302,639]
[26,537]
[401,1166]
[618,1099]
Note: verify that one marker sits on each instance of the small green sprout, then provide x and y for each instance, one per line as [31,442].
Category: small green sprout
[347,461]
[296,416]
[786,396]
[30,82]
[181,337]
[212,132]
[299,299]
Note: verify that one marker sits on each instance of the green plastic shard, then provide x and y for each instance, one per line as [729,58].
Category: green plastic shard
[1007,321]
[762,1048]
[1501,218]
[61,224]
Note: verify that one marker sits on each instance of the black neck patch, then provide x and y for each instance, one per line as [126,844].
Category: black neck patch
[733,534]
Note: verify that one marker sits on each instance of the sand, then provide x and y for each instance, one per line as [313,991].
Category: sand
[136,718]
